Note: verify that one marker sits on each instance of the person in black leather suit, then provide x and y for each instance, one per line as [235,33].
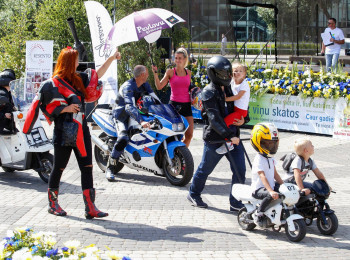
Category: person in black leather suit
[7,124]
[219,71]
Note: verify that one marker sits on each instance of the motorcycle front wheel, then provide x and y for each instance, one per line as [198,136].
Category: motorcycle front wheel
[182,171]
[299,233]
[102,159]
[46,160]
[243,219]
[331,227]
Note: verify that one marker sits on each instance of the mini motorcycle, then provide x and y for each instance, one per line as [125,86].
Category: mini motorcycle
[19,151]
[315,205]
[280,212]
[158,150]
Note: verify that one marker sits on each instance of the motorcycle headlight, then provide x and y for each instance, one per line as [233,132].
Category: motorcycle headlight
[178,127]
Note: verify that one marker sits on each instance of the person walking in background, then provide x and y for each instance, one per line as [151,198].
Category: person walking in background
[62,100]
[223,45]
[332,51]
[180,81]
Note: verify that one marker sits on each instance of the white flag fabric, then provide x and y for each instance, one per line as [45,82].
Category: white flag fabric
[100,24]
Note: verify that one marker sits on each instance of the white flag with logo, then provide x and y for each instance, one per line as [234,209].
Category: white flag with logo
[100,24]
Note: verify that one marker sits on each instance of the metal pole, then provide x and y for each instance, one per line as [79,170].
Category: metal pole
[317,29]
[114,13]
[297,27]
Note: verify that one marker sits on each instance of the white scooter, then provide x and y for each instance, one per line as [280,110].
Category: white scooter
[280,212]
[19,151]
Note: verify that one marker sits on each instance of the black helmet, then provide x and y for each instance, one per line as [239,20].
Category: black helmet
[6,76]
[219,70]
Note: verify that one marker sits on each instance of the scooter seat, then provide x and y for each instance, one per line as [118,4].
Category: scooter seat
[242,192]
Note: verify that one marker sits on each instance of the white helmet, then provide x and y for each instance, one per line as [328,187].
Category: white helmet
[291,193]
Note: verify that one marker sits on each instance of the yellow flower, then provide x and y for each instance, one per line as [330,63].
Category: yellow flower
[21,230]
[308,85]
[300,86]
[308,92]
[256,87]
[113,255]
[344,91]
[329,90]
[326,95]
[51,241]
[348,96]
[304,91]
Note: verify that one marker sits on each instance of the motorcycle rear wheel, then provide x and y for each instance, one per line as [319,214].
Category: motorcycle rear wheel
[332,226]
[182,171]
[241,216]
[47,160]
[102,159]
[299,233]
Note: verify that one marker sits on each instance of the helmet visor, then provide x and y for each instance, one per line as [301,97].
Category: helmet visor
[224,74]
[269,145]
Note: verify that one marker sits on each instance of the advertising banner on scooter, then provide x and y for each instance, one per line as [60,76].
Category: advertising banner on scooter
[294,113]
[341,128]
[39,58]
[100,24]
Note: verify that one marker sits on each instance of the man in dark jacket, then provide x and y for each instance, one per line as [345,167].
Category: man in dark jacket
[7,125]
[215,131]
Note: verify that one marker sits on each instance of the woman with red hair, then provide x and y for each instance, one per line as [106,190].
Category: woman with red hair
[62,98]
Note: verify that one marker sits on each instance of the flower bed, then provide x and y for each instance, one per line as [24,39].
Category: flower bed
[24,243]
[304,83]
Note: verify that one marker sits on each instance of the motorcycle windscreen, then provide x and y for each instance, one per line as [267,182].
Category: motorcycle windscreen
[166,111]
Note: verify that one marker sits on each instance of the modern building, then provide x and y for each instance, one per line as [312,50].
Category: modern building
[297,30]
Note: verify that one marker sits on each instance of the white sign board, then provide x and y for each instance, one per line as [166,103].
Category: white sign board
[39,58]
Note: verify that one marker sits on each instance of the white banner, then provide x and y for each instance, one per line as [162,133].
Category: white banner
[39,58]
[342,120]
[294,113]
[100,24]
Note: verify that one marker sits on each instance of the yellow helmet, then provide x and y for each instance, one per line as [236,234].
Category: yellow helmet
[264,138]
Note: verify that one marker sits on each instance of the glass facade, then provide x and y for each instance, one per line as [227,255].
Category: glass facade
[299,22]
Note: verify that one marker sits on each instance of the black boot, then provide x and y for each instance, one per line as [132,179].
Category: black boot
[90,209]
[54,207]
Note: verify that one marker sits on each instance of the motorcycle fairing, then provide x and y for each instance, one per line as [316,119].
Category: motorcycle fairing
[101,119]
[290,221]
[167,112]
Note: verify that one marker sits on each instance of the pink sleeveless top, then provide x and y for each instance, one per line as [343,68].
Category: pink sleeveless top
[180,87]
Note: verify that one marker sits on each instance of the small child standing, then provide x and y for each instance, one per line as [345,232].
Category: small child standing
[301,165]
[264,139]
[241,91]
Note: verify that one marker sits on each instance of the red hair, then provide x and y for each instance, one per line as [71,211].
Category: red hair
[65,69]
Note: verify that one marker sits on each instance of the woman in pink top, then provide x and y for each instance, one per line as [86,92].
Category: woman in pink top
[180,80]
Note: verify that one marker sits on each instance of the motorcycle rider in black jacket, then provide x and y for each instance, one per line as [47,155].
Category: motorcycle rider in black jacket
[219,71]
[7,124]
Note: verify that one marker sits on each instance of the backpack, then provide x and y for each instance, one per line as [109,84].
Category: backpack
[288,159]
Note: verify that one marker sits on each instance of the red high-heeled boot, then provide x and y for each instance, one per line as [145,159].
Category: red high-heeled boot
[90,209]
[54,207]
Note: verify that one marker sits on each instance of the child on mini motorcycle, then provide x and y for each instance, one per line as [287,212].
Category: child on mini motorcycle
[264,139]
[301,165]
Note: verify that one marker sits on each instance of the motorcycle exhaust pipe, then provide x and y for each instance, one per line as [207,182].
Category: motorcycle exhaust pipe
[102,145]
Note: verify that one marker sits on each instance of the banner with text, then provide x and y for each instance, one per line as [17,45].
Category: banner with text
[294,113]
[100,24]
[39,58]
[342,120]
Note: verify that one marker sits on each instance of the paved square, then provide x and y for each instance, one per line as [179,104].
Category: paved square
[151,219]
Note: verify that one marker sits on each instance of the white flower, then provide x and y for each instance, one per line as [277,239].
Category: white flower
[72,244]
[10,233]
[267,71]
[50,241]
[22,254]
[21,229]
[37,236]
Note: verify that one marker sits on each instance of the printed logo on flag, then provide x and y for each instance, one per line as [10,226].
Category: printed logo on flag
[172,19]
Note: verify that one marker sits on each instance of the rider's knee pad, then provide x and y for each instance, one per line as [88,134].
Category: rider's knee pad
[121,143]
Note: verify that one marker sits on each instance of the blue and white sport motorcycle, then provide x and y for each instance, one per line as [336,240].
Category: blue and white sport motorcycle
[158,150]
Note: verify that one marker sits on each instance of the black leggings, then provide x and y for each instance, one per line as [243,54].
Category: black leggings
[61,158]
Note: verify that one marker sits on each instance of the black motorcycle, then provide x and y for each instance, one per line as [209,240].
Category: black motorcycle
[315,205]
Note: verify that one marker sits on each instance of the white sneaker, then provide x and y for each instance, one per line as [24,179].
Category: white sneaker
[222,149]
